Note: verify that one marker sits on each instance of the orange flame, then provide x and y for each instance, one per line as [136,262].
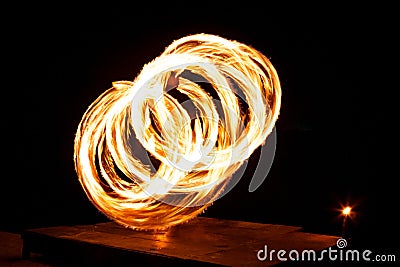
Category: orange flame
[199,146]
[346,211]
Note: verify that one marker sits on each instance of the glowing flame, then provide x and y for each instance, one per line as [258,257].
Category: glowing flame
[198,142]
[346,211]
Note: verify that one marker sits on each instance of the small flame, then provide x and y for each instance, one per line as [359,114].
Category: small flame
[196,161]
[346,211]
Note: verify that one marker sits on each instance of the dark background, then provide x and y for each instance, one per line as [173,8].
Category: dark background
[333,132]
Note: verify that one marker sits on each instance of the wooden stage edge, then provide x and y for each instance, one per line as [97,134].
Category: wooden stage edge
[201,242]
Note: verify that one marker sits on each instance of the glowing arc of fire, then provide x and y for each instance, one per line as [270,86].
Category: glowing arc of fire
[196,159]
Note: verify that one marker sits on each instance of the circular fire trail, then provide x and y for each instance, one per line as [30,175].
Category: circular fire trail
[156,151]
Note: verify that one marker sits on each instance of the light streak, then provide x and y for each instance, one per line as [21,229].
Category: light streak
[199,143]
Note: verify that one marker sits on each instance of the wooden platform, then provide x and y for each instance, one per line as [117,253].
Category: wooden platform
[201,242]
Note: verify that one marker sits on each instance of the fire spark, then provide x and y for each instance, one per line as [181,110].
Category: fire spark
[198,111]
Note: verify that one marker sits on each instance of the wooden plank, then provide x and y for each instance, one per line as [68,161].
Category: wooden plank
[201,242]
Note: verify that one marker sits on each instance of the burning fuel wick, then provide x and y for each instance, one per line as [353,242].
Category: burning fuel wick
[346,213]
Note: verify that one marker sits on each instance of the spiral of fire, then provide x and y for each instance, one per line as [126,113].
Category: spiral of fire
[199,110]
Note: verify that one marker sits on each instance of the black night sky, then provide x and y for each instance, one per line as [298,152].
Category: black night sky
[332,65]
